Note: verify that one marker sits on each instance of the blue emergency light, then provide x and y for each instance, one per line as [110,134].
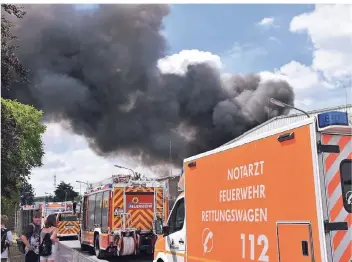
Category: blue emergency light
[332,118]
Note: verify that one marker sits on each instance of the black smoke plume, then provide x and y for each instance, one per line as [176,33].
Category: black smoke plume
[98,70]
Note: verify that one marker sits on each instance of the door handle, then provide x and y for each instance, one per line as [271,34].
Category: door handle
[305,248]
[181,241]
[172,245]
[335,226]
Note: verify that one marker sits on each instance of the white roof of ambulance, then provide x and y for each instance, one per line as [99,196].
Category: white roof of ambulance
[284,120]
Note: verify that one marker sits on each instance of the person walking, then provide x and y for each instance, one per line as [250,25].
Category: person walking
[6,239]
[31,238]
[47,247]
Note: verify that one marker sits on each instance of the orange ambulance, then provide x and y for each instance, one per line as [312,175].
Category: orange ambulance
[282,195]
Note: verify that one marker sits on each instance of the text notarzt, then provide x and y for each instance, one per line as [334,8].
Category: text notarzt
[253,169]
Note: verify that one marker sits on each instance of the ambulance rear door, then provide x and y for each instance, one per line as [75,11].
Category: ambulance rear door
[335,148]
[337,174]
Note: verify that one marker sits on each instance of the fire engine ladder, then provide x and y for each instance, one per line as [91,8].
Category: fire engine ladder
[126,217]
[158,209]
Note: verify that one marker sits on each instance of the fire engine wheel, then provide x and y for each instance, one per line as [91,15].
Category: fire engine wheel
[98,252]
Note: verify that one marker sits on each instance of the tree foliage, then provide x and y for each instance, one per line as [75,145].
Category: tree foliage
[27,193]
[138,177]
[21,143]
[50,198]
[65,192]
[11,68]
[8,203]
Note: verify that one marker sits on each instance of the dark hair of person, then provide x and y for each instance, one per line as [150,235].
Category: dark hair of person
[50,221]
[36,214]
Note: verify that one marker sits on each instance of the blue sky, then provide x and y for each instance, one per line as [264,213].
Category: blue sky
[308,46]
[216,28]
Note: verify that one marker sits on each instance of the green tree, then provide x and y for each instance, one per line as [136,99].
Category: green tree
[11,68]
[21,144]
[65,192]
[27,193]
[50,198]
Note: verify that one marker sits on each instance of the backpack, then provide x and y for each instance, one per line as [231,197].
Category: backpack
[4,245]
[21,246]
[45,246]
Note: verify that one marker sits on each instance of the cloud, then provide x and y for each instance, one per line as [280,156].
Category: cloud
[242,56]
[267,22]
[318,85]
[177,63]
[274,39]
[74,160]
[298,75]
[330,30]
[248,51]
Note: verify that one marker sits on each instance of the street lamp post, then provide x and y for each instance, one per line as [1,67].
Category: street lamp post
[46,196]
[80,183]
[134,174]
[65,199]
[282,104]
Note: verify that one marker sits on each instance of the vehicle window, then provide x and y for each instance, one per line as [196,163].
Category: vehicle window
[177,217]
[67,218]
[180,216]
[105,211]
[91,209]
[346,183]
[98,206]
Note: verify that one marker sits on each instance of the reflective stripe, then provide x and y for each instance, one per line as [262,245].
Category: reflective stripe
[345,150]
[341,240]
[117,204]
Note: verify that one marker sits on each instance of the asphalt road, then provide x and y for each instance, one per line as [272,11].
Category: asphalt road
[76,245]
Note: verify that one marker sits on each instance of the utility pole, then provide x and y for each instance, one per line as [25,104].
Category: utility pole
[170,160]
[65,199]
[80,186]
[54,182]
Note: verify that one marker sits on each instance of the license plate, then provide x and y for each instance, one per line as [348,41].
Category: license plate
[68,226]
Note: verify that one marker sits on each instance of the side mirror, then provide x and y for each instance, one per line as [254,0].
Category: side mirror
[158,225]
[166,230]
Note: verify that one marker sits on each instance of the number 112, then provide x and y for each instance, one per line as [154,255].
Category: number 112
[262,240]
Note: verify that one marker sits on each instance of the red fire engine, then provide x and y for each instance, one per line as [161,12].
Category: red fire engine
[118,216]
